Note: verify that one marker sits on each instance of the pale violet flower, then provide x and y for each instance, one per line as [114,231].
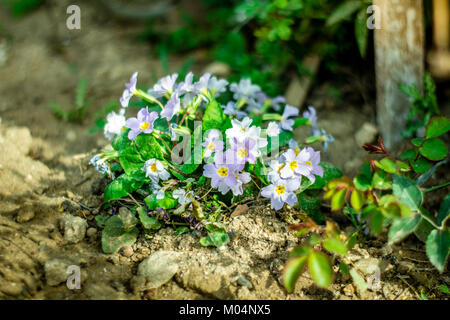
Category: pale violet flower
[143,123]
[275,174]
[242,178]
[286,123]
[155,170]
[312,159]
[213,142]
[327,139]
[202,85]
[165,85]
[311,114]
[256,102]
[277,102]
[183,196]
[217,86]
[160,194]
[114,124]
[130,88]
[240,129]
[243,151]
[273,129]
[244,90]
[295,164]
[230,110]
[187,85]
[280,192]
[221,174]
[100,164]
[171,108]
[294,146]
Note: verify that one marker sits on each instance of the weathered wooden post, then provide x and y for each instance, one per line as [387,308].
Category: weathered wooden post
[399,58]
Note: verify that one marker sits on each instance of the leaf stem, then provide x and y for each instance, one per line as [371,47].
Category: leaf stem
[437,187]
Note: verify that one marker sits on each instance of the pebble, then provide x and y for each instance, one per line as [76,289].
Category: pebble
[367,266]
[91,232]
[74,228]
[127,251]
[55,271]
[243,281]
[25,214]
[158,268]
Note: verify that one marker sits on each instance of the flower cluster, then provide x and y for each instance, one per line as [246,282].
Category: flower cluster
[287,172]
[231,149]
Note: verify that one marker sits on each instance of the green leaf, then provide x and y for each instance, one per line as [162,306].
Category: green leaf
[129,221]
[424,228]
[292,271]
[330,172]
[320,269]
[380,181]
[361,31]
[402,227]
[343,12]
[213,117]
[387,165]
[409,154]
[444,289]
[300,122]
[148,222]
[282,139]
[261,171]
[180,231]
[300,250]
[338,200]
[421,165]
[437,247]
[311,205]
[115,237]
[407,191]
[101,220]
[376,222]
[168,202]
[434,149]
[362,182]
[437,126]
[217,237]
[357,200]
[358,280]
[334,245]
[121,187]
[417,141]
[444,210]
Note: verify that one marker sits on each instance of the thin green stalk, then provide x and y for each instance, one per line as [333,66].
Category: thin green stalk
[437,187]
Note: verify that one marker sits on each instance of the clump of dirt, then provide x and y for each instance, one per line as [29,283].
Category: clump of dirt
[45,174]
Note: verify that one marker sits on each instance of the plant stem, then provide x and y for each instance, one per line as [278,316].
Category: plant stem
[436,187]
[430,221]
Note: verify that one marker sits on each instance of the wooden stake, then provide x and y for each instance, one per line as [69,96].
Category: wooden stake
[399,58]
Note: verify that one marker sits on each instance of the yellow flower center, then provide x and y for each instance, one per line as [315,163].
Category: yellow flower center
[153,167]
[293,165]
[211,146]
[223,172]
[243,129]
[297,151]
[242,153]
[308,163]
[280,167]
[145,125]
[280,190]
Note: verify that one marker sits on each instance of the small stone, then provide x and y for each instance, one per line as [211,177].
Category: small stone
[349,290]
[367,266]
[91,232]
[25,214]
[240,209]
[243,281]
[127,251]
[55,271]
[71,136]
[159,268]
[366,134]
[74,228]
